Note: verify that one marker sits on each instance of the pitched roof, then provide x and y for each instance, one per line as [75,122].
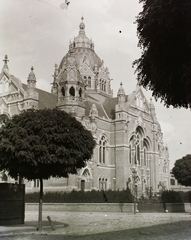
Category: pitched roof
[46,99]
[109,106]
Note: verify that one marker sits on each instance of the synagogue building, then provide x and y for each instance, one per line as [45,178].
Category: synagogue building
[130,148]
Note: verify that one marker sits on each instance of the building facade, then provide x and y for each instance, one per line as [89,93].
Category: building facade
[130,149]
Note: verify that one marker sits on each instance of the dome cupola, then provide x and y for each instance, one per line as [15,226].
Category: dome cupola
[82,47]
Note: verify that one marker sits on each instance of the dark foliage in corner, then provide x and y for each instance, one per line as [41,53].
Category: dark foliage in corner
[163,29]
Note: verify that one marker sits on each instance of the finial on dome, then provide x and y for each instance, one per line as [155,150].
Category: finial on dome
[31,75]
[5,60]
[121,90]
[5,68]
[82,26]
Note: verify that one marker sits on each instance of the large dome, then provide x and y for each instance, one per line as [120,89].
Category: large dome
[83,50]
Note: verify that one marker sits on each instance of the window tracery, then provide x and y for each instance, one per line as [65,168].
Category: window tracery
[103,183]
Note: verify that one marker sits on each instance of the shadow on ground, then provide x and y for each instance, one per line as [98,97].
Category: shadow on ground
[178,230]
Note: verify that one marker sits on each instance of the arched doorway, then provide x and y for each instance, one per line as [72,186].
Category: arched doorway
[82,185]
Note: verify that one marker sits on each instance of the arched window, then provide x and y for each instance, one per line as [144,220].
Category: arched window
[172,181]
[89,82]
[145,157]
[102,184]
[72,91]
[102,150]
[138,154]
[86,173]
[80,92]
[63,91]
[130,161]
[104,86]
[100,85]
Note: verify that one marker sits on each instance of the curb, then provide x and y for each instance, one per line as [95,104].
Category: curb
[5,231]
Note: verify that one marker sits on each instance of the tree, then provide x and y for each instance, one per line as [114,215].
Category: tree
[182,170]
[163,29]
[39,144]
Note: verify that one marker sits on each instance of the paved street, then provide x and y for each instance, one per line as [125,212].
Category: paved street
[102,226]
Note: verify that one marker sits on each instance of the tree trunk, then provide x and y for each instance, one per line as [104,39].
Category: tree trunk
[40,206]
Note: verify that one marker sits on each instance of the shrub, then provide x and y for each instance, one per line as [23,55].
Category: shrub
[176,197]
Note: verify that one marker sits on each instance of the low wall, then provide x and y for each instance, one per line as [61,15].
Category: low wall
[83,207]
[161,207]
[110,207]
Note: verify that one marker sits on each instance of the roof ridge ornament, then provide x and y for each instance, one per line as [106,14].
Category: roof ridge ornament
[5,68]
[5,60]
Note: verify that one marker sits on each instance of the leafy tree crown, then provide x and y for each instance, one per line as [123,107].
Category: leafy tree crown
[38,144]
[182,170]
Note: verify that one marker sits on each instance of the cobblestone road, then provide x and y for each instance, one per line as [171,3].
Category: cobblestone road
[103,226]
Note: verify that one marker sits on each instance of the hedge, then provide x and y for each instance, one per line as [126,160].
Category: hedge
[176,197]
[93,196]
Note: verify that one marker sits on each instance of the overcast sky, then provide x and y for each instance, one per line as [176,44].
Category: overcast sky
[37,33]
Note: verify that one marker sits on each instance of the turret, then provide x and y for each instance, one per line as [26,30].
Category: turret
[121,96]
[31,96]
[31,81]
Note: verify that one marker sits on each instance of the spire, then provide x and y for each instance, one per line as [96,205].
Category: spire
[5,67]
[82,26]
[54,88]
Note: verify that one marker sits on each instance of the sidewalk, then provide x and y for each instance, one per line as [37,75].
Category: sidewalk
[84,223]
